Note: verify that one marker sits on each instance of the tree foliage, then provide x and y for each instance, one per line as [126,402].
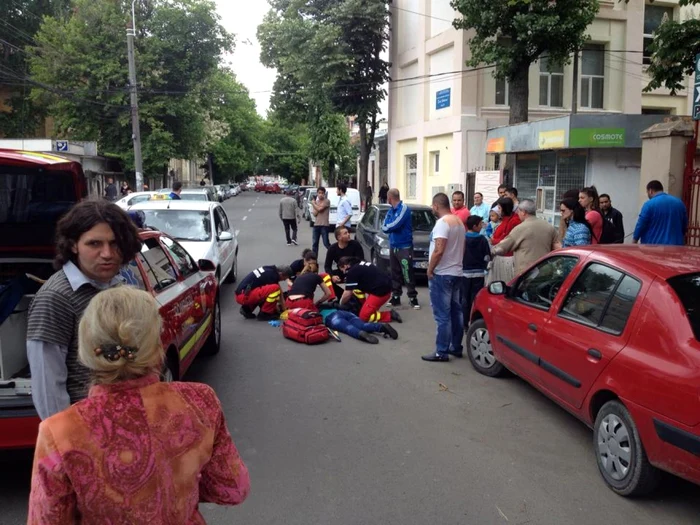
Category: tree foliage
[512,34]
[288,149]
[673,53]
[179,45]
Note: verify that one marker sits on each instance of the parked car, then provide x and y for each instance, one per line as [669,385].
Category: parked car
[309,196]
[202,228]
[375,242]
[134,198]
[612,334]
[260,186]
[272,188]
[236,190]
[354,196]
[187,291]
[221,192]
[301,191]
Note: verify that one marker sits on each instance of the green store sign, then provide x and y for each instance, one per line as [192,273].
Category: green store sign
[597,138]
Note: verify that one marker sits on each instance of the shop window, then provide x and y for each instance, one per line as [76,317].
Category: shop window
[411,176]
[593,77]
[654,16]
[551,84]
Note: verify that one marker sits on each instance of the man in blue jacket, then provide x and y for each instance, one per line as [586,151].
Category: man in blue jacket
[663,219]
[398,225]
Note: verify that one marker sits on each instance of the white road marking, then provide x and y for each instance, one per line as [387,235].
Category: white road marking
[250,209]
[244,218]
[237,232]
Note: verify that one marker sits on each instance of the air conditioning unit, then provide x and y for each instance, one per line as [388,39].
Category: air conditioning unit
[438,189]
[451,188]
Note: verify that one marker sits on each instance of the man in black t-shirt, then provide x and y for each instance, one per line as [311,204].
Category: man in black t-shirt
[345,247]
[260,288]
[301,294]
[370,286]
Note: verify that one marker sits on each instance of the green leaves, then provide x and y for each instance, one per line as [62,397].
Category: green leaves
[673,52]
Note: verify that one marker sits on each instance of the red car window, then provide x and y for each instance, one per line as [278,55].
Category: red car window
[687,287]
[539,286]
[159,270]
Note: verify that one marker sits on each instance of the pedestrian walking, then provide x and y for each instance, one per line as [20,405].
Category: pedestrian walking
[370,286]
[458,207]
[578,231]
[261,289]
[137,450]
[93,240]
[111,190]
[288,216]
[663,219]
[588,198]
[399,226]
[344,213]
[480,208]
[477,254]
[503,267]
[532,239]
[369,192]
[445,280]
[613,217]
[383,193]
[177,190]
[321,207]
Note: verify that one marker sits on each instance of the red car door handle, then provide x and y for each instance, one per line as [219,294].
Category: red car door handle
[595,354]
[532,327]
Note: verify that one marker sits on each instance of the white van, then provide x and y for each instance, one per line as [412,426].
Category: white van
[354,196]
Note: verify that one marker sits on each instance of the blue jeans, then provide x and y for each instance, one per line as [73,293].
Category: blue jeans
[319,231]
[349,323]
[446,301]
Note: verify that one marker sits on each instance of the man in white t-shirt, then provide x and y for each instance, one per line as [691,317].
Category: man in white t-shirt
[445,277]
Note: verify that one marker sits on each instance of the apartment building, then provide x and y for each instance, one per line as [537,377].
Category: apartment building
[440,110]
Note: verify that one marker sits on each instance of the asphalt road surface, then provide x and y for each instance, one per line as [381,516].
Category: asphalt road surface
[350,433]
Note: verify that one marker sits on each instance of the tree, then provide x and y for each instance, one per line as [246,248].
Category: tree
[288,149]
[179,45]
[673,53]
[331,143]
[512,34]
[328,57]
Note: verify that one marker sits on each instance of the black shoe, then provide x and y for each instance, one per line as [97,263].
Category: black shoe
[367,338]
[264,316]
[414,303]
[396,317]
[247,312]
[435,358]
[395,301]
[458,355]
[389,330]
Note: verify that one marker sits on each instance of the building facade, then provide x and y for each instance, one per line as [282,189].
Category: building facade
[440,110]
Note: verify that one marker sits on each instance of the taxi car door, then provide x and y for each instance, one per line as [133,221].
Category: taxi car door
[225,249]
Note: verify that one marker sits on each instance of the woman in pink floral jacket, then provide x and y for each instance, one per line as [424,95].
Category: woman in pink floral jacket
[136,450]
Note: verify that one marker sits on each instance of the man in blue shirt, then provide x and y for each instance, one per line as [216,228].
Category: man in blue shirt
[177,189]
[398,225]
[344,213]
[480,208]
[663,219]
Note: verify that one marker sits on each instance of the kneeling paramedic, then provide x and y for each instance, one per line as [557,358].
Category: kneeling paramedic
[307,257]
[261,288]
[301,294]
[370,286]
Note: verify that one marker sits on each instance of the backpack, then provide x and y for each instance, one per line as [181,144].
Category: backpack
[305,326]
[607,236]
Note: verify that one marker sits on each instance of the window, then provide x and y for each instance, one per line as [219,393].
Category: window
[224,218]
[592,76]
[434,162]
[411,176]
[182,259]
[220,221]
[551,84]
[601,297]
[184,225]
[368,219]
[654,16]
[687,288]
[502,98]
[422,220]
[159,271]
[539,286]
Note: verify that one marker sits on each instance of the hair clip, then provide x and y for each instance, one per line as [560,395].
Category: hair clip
[116,352]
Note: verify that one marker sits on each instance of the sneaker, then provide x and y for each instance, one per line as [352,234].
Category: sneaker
[294,242]
[396,317]
[389,330]
[414,303]
[436,358]
[395,301]
[367,338]
[289,244]
[264,316]
[247,312]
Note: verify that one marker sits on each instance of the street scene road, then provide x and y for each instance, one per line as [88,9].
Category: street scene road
[350,433]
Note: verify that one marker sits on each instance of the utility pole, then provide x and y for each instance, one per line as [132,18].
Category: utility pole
[574,91]
[135,127]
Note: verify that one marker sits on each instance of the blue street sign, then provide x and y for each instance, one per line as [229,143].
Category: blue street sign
[696,89]
[442,98]
[61,145]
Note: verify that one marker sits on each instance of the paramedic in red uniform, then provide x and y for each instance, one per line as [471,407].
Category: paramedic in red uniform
[308,256]
[301,294]
[370,286]
[261,288]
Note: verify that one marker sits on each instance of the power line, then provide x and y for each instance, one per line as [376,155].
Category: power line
[419,14]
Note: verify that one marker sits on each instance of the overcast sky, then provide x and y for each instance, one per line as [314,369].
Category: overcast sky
[244,22]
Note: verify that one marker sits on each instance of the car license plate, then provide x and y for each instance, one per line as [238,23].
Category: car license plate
[423,265]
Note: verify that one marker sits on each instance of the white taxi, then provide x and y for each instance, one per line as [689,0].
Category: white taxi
[134,198]
[201,227]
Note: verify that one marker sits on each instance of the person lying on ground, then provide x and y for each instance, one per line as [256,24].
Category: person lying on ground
[348,323]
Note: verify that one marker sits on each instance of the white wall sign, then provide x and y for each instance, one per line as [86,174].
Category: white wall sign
[487,182]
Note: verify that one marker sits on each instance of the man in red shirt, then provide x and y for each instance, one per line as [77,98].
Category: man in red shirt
[458,207]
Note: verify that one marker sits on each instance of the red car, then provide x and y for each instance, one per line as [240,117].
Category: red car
[272,187]
[259,186]
[612,334]
[187,291]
